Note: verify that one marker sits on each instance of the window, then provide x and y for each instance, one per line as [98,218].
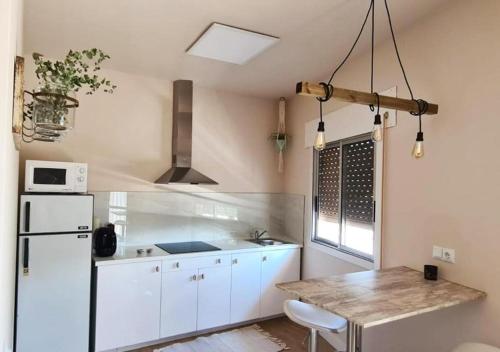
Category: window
[118,213]
[344,207]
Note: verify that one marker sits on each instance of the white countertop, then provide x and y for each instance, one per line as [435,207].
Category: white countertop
[128,254]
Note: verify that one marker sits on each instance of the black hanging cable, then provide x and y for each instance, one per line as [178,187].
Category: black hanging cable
[378,119]
[320,111]
[372,108]
[396,49]
[354,45]
[373,45]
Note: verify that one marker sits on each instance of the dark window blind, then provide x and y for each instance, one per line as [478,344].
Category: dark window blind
[329,184]
[357,190]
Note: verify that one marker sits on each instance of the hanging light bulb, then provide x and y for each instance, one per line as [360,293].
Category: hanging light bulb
[377,131]
[418,148]
[319,142]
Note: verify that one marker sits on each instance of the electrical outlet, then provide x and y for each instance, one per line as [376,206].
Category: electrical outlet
[437,252]
[448,255]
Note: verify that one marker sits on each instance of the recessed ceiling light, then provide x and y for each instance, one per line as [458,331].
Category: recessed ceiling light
[230,44]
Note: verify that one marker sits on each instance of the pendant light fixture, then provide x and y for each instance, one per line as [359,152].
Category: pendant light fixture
[324,91]
[320,141]
[377,132]
[418,147]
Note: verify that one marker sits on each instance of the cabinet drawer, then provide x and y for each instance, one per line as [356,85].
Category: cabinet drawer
[195,263]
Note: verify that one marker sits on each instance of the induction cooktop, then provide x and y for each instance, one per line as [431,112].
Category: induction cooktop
[186,247]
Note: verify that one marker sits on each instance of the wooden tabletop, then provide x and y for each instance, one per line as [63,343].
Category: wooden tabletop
[371,298]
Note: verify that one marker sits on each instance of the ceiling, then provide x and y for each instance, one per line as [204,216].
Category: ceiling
[150,37]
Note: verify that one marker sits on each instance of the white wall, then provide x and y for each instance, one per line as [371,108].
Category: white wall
[10,11]
[448,198]
[126,137]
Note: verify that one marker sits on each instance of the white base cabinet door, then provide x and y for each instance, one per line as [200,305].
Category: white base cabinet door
[245,286]
[179,308]
[128,304]
[214,297]
[277,266]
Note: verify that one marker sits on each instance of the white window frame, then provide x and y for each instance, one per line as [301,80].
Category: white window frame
[363,258]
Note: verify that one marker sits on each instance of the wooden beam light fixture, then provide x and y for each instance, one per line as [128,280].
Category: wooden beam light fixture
[324,91]
[353,96]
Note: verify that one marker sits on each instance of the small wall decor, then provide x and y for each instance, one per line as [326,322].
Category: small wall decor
[280,137]
[51,112]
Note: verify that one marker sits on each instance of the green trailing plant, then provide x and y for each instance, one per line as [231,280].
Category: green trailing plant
[58,80]
[77,71]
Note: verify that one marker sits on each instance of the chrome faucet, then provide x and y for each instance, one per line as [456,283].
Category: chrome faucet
[258,234]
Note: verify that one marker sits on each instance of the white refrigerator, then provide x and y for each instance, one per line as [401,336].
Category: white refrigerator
[54,269]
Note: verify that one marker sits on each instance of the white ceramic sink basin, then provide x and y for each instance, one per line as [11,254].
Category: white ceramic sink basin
[268,242]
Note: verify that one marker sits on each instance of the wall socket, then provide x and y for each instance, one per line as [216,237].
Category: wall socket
[443,254]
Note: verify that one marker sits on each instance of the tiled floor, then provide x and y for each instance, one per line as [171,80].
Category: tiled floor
[292,334]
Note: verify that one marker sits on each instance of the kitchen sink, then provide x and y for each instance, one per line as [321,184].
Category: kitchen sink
[268,241]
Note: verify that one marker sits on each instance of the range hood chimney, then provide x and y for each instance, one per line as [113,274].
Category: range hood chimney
[182,133]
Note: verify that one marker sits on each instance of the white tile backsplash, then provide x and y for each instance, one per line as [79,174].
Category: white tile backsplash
[143,218]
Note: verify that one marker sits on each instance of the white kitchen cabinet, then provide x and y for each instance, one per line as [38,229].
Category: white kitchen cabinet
[128,304]
[145,301]
[214,297]
[277,266]
[245,286]
[179,308]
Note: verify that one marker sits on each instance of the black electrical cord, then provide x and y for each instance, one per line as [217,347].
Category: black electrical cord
[355,43]
[373,45]
[372,108]
[396,49]
[328,88]
[320,111]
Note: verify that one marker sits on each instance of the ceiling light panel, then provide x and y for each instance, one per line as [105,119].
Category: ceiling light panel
[230,44]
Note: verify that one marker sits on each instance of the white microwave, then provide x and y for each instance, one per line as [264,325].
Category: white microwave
[55,177]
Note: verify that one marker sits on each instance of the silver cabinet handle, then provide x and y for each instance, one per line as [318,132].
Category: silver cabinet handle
[193,278]
[235,261]
[201,277]
[218,261]
[157,268]
[264,258]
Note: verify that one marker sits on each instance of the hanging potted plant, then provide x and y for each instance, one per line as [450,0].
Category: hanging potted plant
[52,109]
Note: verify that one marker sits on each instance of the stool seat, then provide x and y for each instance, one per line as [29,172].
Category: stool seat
[314,317]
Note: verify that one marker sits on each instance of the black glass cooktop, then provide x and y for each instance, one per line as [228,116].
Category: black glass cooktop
[186,247]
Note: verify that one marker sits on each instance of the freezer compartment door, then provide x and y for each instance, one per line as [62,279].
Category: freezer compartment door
[55,213]
[53,298]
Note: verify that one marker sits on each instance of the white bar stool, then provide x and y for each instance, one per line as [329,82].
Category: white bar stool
[316,319]
[475,347]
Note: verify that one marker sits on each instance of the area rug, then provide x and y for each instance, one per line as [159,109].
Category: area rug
[247,339]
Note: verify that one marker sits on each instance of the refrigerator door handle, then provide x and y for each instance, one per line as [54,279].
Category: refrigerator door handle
[27,217]
[26,256]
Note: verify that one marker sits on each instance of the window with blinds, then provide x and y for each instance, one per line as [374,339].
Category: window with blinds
[344,196]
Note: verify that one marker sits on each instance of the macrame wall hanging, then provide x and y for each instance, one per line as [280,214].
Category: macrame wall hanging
[280,137]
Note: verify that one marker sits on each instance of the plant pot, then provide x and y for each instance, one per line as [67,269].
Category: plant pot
[53,110]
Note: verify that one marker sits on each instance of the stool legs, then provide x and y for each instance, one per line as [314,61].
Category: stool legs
[313,340]
[354,337]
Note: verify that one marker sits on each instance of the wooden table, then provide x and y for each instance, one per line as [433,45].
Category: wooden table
[372,298]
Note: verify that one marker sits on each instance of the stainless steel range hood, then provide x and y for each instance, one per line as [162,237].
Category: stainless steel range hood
[182,117]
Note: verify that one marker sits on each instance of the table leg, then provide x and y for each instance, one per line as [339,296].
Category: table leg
[354,337]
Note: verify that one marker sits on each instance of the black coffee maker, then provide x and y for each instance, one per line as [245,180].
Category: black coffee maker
[105,241]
